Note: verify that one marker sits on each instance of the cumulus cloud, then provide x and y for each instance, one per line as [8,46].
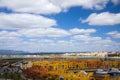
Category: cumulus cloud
[104,18]
[48,32]
[48,45]
[9,34]
[50,6]
[88,4]
[114,34]
[86,38]
[76,42]
[9,42]
[115,2]
[31,25]
[54,32]
[19,21]
[82,31]
[79,42]
[31,6]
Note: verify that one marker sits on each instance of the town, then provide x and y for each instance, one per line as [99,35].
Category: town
[65,66]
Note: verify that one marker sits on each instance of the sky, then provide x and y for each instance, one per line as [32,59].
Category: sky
[60,25]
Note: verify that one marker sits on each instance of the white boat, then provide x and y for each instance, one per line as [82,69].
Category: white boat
[114,70]
[101,71]
[84,72]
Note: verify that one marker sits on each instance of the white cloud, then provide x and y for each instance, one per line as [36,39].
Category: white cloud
[54,32]
[34,33]
[22,21]
[49,32]
[10,42]
[116,2]
[51,45]
[114,34]
[31,6]
[88,4]
[91,43]
[104,18]
[86,38]
[82,31]
[30,25]
[65,43]
[45,41]
[9,34]
[50,6]
[79,42]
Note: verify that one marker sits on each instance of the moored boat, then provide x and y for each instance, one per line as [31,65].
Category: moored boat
[101,71]
[114,70]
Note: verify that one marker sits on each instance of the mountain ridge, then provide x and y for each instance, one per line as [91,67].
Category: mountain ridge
[12,52]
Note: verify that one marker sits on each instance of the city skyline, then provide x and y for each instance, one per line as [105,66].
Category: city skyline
[60,25]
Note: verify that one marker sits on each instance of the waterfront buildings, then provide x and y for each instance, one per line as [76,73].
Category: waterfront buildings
[53,55]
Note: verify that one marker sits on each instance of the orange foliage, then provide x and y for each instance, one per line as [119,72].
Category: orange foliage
[36,70]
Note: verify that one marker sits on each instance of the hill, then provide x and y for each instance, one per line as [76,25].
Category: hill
[12,52]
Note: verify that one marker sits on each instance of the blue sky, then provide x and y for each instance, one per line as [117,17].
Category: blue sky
[60,25]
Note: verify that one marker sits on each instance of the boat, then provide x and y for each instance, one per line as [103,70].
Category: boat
[84,72]
[101,71]
[114,70]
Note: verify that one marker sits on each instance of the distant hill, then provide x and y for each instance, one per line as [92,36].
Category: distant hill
[12,52]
